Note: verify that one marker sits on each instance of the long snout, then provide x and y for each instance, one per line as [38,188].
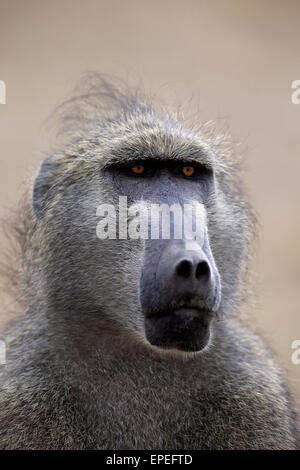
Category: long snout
[185,273]
[180,293]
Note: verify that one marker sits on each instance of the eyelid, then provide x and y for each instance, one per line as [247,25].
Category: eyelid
[149,168]
[199,169]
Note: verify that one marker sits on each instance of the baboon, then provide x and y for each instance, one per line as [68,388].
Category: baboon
[137,344]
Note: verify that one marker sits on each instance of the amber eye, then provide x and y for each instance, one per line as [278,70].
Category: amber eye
[138,169]
[188,170]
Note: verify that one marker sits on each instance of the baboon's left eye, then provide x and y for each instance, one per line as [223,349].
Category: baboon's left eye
[188,170]
[138,169]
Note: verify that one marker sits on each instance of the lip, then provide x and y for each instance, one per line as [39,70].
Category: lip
[187,311]
[184,311]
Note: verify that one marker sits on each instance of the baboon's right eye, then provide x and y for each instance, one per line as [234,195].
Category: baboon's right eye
[138,169]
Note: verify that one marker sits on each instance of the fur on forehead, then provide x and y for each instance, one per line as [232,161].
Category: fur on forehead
[108,123]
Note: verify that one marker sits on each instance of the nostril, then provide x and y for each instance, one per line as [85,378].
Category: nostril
[202,269]
[184,269]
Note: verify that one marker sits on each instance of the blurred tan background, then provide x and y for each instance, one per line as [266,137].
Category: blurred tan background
[235,60]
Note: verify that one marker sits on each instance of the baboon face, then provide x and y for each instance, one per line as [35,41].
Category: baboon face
[178,283]
[165,289]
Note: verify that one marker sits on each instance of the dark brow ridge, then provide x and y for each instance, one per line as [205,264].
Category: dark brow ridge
[159,162]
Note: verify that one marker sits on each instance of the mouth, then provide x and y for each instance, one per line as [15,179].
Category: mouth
[186,329]
[187,312]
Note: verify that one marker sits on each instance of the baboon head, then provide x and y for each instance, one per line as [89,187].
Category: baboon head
[167,290]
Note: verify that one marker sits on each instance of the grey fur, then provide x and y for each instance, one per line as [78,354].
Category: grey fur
[79,372]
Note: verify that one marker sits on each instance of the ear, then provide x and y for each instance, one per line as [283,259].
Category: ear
[41,187]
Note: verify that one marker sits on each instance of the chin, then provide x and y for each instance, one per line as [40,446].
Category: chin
[173,333]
